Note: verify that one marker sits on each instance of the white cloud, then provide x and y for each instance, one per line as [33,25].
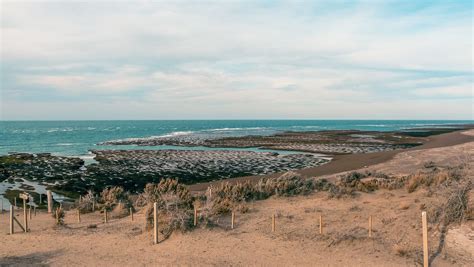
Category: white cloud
[233,58]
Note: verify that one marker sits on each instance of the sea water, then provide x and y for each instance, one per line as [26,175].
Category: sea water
[76,138]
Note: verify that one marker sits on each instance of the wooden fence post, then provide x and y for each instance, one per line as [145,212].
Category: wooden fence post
[29,212]
[57,215]
[2,206]
[155,223]
[195,216]
[370,226]
[34,210]
[25,218]
[40,198]
[12,227]
[273,222]
[131,213]
[14,202]
[320,224]
[78,215]
[50,201]
[425,239]
[232,220]
[105,216]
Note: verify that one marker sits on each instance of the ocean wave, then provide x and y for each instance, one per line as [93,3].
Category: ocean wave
[235,129]
[373,125]
[172,134]
[66,144]
[89,157]
[308,127]
[52,130]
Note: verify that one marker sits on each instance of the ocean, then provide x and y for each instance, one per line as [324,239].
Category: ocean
[76,138]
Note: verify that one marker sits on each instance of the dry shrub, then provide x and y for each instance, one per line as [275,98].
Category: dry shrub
[113,196]
[175,206]
[392,184]
[340,192]
[155,192]
[58,216]
[354,180]
[288,184]
[351,179]
[454,209]
[291,183]
[433,178]
[226,197]
[321,184]
[86,203]
[457,204]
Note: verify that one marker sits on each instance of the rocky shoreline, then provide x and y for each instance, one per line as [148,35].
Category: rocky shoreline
[326,142]
[133,169]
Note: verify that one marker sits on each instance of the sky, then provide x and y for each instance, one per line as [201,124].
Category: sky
[79,60]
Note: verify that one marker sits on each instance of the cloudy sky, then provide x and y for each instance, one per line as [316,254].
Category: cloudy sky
[236,60]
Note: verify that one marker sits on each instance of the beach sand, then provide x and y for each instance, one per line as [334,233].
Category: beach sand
[396,237]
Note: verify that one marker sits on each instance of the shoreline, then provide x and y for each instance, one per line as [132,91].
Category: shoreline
[347,162]
[133,169]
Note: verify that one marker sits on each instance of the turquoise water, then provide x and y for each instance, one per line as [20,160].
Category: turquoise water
[76,138]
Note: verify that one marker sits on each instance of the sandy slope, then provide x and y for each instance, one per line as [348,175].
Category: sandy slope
[345,242]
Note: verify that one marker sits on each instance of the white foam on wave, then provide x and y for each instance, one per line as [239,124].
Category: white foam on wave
[374,125]
[66,144]
[308,127]
[172,134]
[235,129]
[52,130]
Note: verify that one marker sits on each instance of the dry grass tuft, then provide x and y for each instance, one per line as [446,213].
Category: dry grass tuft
[434,178]
[400,250]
